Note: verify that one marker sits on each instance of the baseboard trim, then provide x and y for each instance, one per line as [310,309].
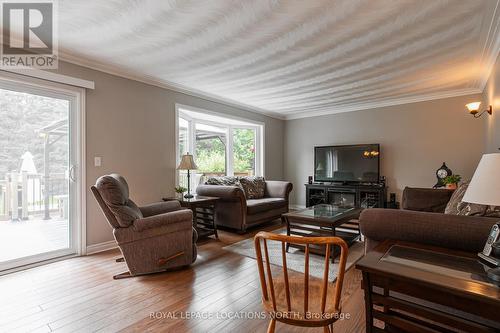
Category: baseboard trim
[100,247]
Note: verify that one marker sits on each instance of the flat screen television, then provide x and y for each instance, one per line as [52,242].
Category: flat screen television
[347,164]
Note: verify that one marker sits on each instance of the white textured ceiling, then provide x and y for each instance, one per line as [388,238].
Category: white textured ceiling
[290,58]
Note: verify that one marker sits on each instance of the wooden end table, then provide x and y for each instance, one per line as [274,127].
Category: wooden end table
[203,209]
[417,288]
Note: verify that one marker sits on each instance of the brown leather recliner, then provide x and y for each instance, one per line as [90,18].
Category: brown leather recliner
[152,238]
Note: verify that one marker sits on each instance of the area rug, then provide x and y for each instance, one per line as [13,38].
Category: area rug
[295,257]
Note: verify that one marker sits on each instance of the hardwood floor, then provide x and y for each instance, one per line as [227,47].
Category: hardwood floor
[218,290]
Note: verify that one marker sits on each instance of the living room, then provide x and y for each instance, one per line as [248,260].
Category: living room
[135,107]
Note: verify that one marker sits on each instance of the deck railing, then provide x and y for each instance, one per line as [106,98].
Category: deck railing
[23,195]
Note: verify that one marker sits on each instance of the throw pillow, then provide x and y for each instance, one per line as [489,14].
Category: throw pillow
[254,187]
[456,199]
[458,207]
[224,180]
[493,211]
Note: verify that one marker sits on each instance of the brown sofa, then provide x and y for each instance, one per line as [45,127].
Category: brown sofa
[235,211]
[422,220]
[152,238]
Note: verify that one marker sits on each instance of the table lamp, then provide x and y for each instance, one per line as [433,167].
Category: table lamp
[187,163]
[484,189]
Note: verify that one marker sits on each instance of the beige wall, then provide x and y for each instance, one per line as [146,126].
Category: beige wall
[415,139]
[491,96]
[131,126]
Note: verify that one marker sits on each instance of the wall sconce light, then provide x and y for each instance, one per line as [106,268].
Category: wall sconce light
[474,109]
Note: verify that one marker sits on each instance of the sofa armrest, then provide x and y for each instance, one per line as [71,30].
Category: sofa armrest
[278,189]
[221,191]
[466,233]
[425,199]
[160,208]
[156,221]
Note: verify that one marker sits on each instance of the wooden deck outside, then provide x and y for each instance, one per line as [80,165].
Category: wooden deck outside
[24,238]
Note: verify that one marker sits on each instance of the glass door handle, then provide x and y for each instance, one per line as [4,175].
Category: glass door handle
[72,173]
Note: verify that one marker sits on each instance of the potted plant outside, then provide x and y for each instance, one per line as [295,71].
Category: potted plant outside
[451,182]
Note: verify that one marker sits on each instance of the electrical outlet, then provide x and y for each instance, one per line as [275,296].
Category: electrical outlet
[97,161]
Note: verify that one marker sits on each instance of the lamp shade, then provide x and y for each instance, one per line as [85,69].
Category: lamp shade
[484,187]
[187,163]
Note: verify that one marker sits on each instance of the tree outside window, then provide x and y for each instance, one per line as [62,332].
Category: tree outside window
[244,151]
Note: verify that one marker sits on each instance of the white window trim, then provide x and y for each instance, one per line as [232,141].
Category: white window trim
[75,95]
[258,126]
[51,76]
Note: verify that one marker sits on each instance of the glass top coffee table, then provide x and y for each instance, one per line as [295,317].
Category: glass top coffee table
[323,221]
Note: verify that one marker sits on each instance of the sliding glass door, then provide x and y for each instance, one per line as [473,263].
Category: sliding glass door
[38,159]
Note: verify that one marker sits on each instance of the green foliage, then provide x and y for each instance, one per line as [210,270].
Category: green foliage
[211,153]
[244,150]
[453,179]
[180,189]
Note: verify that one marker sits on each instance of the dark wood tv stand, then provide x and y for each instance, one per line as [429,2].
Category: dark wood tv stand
[347,195]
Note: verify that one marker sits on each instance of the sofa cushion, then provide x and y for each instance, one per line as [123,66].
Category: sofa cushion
[255,206]
[458,207]
[114,191]
[254,187]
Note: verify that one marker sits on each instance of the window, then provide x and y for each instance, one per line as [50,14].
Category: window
[210,149]
[220,145]
[244,151]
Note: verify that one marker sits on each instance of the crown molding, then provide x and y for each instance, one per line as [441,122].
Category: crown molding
[149,80]
[491,48]
[391,102]
[146,79]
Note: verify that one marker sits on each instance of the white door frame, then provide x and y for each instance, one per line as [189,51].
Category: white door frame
[76,96]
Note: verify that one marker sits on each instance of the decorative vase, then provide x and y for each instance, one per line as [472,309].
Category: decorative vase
[451,186]
[179,195]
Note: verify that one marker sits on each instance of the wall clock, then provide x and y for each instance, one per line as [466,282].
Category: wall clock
[441,174]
